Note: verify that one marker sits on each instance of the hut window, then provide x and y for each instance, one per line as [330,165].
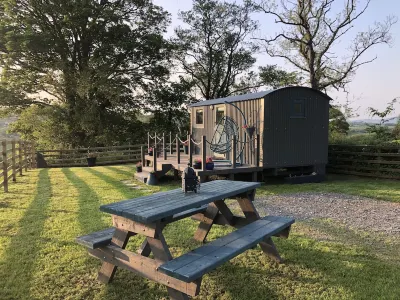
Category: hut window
[219,114]
[298,110]
[199,116]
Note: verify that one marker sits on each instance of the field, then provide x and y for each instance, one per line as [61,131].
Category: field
[46,209]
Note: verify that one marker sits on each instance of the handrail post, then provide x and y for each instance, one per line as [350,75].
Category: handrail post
[178,150]
[190,149]
[20,157]
[203,152]
[170,143]
[155,158]
[26,160]
[5,175]
[14,175]
[234,152]
[142,156]
[257,160]
[163,145]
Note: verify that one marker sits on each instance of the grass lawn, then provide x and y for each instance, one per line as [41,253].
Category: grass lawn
[46,209]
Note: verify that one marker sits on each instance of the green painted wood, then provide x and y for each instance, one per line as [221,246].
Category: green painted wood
[96,239]
[161,205]
[200,261]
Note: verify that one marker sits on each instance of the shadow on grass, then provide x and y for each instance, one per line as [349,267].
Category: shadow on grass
[19,259]
[89,214]
[128,174]
[115,183]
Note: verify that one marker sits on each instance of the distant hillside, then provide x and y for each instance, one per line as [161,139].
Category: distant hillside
[4,123]
[373,121]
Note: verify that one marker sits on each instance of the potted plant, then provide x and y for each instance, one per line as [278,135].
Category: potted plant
[91,159]
[249,129]
[186,147]
[150,151]
[152,178]
[209,163]
[139,167]
[197,163]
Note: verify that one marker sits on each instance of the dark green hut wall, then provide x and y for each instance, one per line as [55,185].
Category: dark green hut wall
[292,141]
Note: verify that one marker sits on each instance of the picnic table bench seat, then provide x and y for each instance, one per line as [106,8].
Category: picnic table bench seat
[103,237]
[195,264]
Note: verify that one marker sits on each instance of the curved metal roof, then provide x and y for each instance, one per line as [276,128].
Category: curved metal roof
[250,96]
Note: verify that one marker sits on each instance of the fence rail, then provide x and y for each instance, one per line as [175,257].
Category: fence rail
[17,156]
[77,157]
[372,161]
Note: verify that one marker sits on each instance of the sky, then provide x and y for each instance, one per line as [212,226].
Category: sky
[374,84]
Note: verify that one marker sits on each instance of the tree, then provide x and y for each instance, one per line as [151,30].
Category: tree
[310,33]
[213,50]
[86,58]
[337,122]
[274,77]
[382,132]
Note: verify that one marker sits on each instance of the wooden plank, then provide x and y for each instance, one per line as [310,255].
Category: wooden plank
[142,266]
[206,223]
[96,239]
[225,212]
[161,205]
[200,261]
[132,226]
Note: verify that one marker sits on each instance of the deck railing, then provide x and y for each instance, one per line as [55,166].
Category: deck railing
[162,148]
[17,156]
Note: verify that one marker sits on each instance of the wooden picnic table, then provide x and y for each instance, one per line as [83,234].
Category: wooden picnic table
[148,216]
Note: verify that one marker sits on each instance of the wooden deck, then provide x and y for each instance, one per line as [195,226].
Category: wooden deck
[164,165]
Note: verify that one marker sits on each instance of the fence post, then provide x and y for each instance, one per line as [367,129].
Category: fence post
[234,152]
[203,152]
[178,150]
[155,158]
[14,175]
[190,150]
[163,145]
[5,175]
[170,143]
[26,159]
[142,156]
[257,160]
[20,157]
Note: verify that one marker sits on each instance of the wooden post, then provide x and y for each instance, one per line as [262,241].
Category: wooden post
[233,152]
[26,159]
[142,156]
[170,143]
[14,172]
[155,158]
[178,150]
[163,146]
[148,141]
[5,175]
[203,152]
[20,157]
[257,160]
[190,150]
[33,156]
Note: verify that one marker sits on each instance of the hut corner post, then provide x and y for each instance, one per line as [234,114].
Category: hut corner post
[203,152]
[257,159]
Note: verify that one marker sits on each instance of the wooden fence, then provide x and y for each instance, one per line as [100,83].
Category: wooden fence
[17,156]
[372,161]
[77,157]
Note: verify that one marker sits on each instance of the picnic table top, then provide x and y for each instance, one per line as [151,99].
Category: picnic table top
[152,208]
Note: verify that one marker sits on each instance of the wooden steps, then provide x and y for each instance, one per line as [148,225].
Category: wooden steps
[142,176]
[200,261]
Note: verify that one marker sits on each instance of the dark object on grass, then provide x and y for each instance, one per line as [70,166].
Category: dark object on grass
[190,182]
[91,161]
[313,178]
[152,179]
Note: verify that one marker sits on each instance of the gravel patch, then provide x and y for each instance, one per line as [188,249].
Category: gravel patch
[357,212]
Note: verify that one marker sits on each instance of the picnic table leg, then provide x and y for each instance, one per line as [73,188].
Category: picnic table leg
[162,254]
[107,270]
[206,223]
[250,212]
